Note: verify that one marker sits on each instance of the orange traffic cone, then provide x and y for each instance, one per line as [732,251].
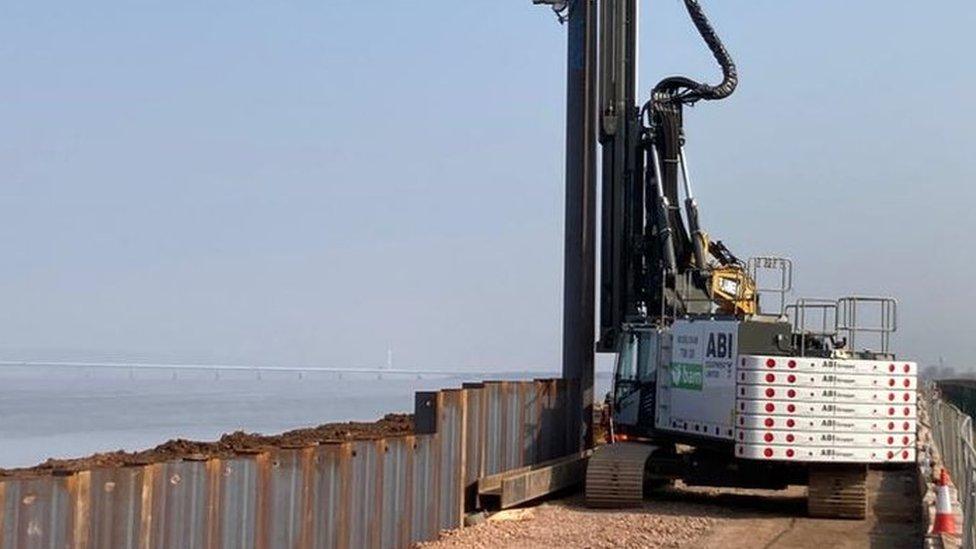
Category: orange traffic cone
[945,521]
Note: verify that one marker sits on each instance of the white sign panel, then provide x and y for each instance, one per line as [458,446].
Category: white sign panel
[701,378]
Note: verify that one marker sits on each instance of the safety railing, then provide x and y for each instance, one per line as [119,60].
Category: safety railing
[952,433]
[870,316]
[780,284]
[813,318]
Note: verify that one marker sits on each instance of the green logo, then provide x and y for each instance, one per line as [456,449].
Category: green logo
[686,376]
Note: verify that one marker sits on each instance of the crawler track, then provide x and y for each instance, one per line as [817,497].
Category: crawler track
[615,475]
[838,491]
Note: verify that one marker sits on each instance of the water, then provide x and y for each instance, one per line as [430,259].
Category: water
[65,412]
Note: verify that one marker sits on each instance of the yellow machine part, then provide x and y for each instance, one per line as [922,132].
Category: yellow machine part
[734,291]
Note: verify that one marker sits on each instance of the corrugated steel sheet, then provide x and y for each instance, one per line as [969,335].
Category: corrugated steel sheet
[374,493]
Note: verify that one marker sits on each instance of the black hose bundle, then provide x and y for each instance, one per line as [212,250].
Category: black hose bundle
[687,91]
[666,120]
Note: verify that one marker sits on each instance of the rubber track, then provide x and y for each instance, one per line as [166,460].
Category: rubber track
[838,492]
[615,475]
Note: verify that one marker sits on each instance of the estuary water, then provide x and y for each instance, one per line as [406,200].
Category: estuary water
[64,412]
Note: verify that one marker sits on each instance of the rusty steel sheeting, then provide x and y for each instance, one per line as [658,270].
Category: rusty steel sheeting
[114,506]
[450,432]
[39,512]
[514,425]
[496,436]
[388,492]
[474,455]
[424,519]
[397,485]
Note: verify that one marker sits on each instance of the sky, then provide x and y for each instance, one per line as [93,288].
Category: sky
[312,183]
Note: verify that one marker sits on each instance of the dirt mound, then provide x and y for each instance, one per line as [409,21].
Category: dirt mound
[229,445]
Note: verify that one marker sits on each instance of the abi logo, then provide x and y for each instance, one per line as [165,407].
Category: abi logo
[719,345]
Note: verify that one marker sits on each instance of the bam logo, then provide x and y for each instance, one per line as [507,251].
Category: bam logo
[686,376]
[719,345]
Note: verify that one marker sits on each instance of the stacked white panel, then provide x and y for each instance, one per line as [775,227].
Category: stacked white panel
[825,410]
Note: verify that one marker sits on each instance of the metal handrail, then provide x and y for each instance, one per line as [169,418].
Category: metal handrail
[797,312]
[783,265]
[952,434]
[848,321]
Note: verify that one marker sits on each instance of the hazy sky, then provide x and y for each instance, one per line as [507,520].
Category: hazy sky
[310,182]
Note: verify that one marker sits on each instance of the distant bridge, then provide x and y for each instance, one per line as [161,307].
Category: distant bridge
[273,369]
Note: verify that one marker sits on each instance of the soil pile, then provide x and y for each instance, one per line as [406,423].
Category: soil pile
[229,445]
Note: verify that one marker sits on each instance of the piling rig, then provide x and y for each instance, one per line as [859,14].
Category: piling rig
[709,387]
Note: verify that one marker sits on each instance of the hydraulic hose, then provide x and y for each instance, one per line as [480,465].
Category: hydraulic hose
[665,109]
[687,91]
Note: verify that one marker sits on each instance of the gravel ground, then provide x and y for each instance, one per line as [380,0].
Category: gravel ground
[568,523]
[686,517]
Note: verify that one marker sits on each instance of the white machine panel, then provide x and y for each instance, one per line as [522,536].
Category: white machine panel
[820,379]
[825,410]
[802,437]
[827,394]
[827,424]
[817,409]
[826,365]
[696,389]
[825,454]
